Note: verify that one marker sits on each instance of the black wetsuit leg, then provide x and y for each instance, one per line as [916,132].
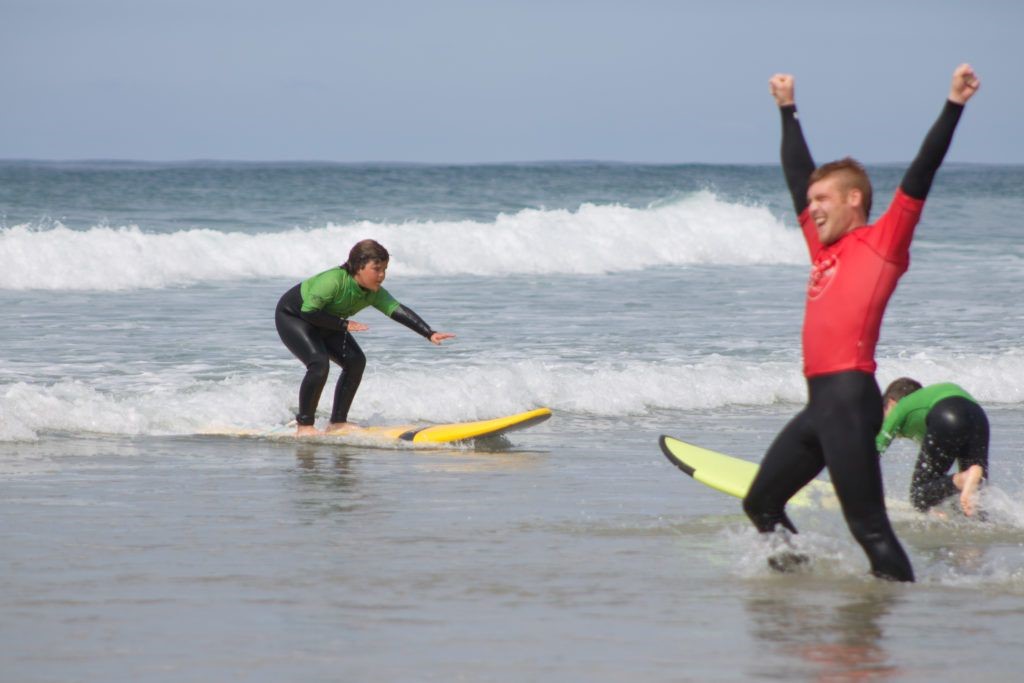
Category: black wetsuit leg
[793,459]
[316,347]
[957,432]
[307,343]
[836,430]
[345,352]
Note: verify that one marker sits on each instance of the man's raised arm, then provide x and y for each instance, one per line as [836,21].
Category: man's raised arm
[918,179]
[797,164]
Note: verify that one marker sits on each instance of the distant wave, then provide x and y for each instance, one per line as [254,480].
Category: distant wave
[181,405]
[592,239]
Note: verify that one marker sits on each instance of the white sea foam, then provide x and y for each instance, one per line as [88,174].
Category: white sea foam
[994,378]
[176,404]
[592,239]
[991,559]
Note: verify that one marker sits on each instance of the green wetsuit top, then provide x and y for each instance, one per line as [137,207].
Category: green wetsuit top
[336,292]
[907,417]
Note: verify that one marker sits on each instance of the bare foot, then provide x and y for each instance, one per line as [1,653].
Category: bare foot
[339,427]
[306,430]
[968,485]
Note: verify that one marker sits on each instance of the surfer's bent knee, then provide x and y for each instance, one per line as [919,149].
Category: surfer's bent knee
[319,366]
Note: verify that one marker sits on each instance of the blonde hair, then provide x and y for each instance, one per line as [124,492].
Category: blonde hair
[852,176]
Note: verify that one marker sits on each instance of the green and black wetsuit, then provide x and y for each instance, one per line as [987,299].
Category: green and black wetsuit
[312,320]
[951,427]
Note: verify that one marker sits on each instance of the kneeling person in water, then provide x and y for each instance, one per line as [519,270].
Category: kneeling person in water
[951,427]
[312,320]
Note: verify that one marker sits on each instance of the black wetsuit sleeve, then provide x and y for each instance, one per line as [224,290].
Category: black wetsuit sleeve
[918,178]
[408,317]
[323,319]
[797,164]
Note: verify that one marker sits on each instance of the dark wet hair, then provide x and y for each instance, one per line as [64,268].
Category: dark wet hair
[899,388]
[362,253]
[852,176]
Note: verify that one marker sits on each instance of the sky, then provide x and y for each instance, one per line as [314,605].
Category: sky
[485,81]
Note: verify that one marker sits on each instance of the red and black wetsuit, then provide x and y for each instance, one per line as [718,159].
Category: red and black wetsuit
[850,284]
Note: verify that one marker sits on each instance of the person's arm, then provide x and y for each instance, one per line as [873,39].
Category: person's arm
[888,431]
[332,322]
[797,163]
[918,179]
[320,318]
[408,317]
[893,424]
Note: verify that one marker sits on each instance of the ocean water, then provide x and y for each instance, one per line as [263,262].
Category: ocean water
[632,300]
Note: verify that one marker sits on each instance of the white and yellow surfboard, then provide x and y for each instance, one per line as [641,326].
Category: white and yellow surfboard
[408,433]
[734,475]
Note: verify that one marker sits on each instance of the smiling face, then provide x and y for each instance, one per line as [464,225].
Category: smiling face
[835,209]
[371,275]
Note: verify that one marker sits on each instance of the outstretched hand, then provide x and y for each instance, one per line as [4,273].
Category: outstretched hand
[965,84]
[354,326]
[781,86]
[438,337]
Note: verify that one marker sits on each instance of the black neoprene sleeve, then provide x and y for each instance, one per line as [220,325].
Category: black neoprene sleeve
[918,179]
[797,164]
[408,317]
[323,319]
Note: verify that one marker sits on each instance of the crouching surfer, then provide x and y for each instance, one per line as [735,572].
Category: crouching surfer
[951,428]
[312,319]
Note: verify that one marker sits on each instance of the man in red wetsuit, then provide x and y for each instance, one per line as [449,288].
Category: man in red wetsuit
[855,268]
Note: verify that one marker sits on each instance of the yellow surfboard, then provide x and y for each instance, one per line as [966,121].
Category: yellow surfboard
[458,431]
[734,475]
[412,433]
